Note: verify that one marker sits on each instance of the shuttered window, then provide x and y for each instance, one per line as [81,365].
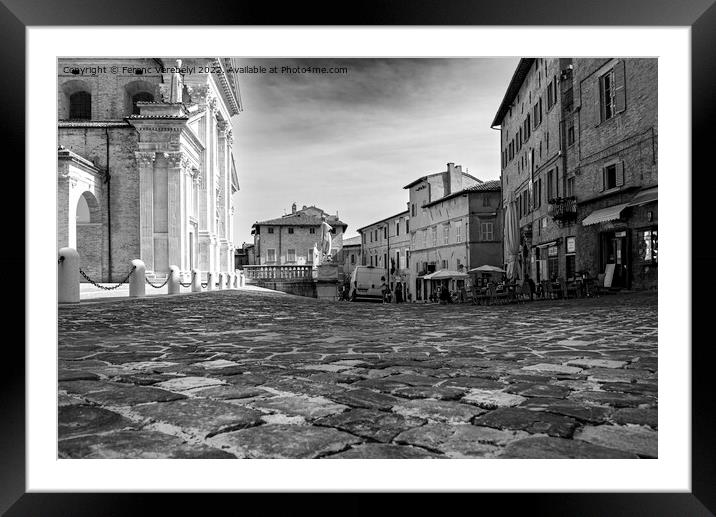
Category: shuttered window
[612,92]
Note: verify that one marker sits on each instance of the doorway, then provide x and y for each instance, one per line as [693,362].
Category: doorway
[615,250]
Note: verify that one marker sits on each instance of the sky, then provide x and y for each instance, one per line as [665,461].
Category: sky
[348,143]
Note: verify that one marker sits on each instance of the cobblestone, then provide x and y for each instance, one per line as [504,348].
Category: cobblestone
[252,374]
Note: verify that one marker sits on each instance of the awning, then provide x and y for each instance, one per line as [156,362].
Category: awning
[487,269]
[443,273]
[645,196]
[605,214]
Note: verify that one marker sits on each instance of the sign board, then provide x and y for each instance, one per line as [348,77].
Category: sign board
[571,245]
[608,275]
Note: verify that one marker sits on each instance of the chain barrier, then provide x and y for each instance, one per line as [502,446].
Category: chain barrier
[188,284]
[157,286]
[205,284]
[105,287]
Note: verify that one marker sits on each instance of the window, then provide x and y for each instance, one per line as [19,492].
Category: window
[140,97]
[647,245]
[550,185]
[552,262]
[353,258]
[570,186]
[458,231]
[290,231]
[406,252]
[270,255]
[612,94]
[397,260]
[458,264]
[385,232]
[613,176]
[270,230]
[550,96]
[407,225]
[443,264]
[313,230]
[435,236]
[486,229]
[446,234]
[412,208]
[81,106]
[397,227]
[309,256]
[291,255]
[537,189]
[570,132]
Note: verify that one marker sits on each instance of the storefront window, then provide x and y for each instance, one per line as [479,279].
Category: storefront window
[647,242]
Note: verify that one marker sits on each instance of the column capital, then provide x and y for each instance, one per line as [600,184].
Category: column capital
[145,158]
[175,159]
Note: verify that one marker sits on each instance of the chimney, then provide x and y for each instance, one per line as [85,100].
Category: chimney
[293,208]
[453,178]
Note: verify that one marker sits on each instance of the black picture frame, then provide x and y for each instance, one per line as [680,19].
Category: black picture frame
[700,15]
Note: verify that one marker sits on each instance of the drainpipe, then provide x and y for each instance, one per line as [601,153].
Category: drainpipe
[107,178]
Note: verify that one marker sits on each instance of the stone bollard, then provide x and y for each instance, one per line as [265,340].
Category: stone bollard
[221,280]
[137,280]
[195,281]
[236,279]
[173,286]
[209,281]
[229,280]
[242,279]
[68,276]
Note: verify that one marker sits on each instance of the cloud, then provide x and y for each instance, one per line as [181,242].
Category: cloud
[350,142]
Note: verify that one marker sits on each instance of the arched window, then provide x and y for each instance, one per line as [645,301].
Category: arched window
[140,97]
[81,106]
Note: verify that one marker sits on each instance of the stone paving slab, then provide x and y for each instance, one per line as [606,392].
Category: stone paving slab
[200,417]
[285,441]
[137,444]
[248,374]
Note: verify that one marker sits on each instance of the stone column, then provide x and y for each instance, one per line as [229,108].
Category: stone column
[145,163]
[174,207]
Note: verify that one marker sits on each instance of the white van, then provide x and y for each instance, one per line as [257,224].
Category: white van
[366,282]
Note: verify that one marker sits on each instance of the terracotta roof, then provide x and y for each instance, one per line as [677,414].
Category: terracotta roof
[401,214]
[353,241]
[485,186]
[301,219]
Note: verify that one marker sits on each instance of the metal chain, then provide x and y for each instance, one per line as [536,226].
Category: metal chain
[104,287]
[157,286]
[205,284]
[188,284]
[61,259]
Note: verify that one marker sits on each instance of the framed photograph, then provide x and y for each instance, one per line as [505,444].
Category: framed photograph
[229,188]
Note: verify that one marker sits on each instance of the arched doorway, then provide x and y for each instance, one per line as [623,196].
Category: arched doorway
[89,235]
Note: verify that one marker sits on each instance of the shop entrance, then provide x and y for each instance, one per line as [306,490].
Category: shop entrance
[615,250]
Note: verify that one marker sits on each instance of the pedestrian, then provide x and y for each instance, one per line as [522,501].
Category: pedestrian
[398,292]
[385,290]
[531,283]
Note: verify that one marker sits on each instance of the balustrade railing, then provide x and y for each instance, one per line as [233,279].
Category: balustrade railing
[282,272]
[563,209]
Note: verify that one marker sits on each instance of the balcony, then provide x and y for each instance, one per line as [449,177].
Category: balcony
[563,209]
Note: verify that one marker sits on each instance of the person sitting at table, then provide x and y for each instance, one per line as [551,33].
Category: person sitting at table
[531,283]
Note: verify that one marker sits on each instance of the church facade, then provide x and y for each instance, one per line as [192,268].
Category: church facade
[145,163]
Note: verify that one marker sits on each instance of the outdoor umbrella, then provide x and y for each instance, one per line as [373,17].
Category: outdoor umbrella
[487,269]
[512,239]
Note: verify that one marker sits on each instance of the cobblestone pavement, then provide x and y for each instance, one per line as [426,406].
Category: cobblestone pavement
[249,374]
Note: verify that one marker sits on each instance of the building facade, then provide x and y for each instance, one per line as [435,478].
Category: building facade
[352,255]
[456,225]
[385,244]
[244,256]
[579,166]
[145,164]
[290,239]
